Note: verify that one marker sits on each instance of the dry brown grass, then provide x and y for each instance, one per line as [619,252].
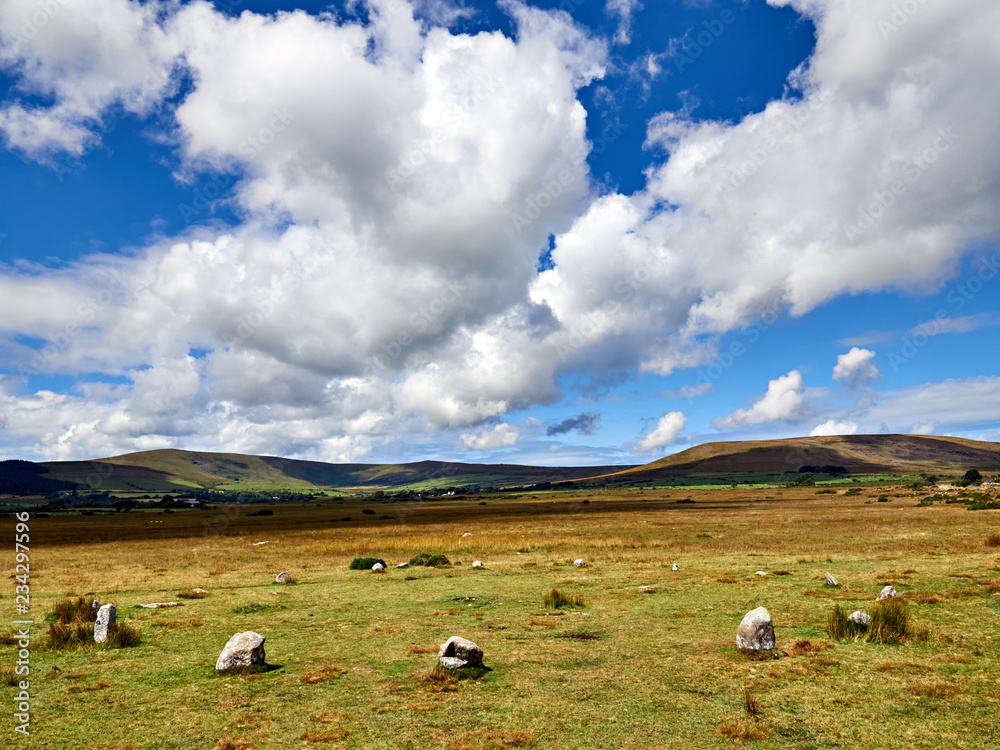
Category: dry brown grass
[804,647]
[925,597]
[423,650]
[89,688]
[326,673]
[932,689]
[743,730]
[329,735]
[495,739]
[439,680]
[252,720]
[230,743]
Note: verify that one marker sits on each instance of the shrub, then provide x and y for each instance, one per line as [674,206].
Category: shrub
[366,563]
[123,635]
[883,498]
[840,627]
[368,512]
[890,621]
[69,611]
[852,492]
[70,635]
[556,599]
[429,560]
[262,512]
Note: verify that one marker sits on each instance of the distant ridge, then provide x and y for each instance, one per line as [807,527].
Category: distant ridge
[172,470]
[178,470]
[859,454]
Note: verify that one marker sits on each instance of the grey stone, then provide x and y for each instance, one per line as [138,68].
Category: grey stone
[477,564]
[458,653]
[282,578]
[761,573]
[403,565]
[887,593]
[378,567]
[242,650]
[831,581]
[96,604]
[106,617]
[200,591]
[467,533]
[675,566]
[581,563]
[860,618]
[756,631]
[158,605]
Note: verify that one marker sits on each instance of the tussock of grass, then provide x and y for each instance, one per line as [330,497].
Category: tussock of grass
[70,635]
[69,611]
[840,628]
[8,676]
[329,735]
[123,634]
[933,689]
[993,540]
[556,599]
[491,740]
[801,647]
[422,650]
[191,594]
[890,621]
[326,673]
[744,730]
[430,560]
[440,680]
[750,705]
[366,563]
[229,743]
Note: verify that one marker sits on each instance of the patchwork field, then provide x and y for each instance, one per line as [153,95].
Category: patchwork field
[354,651]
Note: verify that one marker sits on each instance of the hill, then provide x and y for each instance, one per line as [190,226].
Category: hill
[176,470]
[858,454]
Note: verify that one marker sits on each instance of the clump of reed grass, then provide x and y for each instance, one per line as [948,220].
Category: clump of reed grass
[556,599]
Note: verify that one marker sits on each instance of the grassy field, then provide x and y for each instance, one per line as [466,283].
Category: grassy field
[631,667]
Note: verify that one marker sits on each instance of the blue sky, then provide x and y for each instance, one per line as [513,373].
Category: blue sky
[554,232]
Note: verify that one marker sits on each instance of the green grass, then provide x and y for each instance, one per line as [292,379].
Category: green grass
[352,656]
[430,560]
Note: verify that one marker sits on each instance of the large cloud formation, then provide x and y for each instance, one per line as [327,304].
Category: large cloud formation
[397,184]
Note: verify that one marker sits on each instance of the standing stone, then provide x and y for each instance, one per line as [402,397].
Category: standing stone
[378,567]
[282,578]
[860,618]
[95,605]
[580,563]
[675,566]
[756,632]
[477,564]
[242,650]
[106,617]
[887,593]
[831,581]
[458,653]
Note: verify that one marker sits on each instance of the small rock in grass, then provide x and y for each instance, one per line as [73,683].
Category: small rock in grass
[378,567]
[477,564]
[581,563]
[458,653]
[403,565]
[106,617]
[831,581]
[675,566]
[761,573]
[860,618]
[282,578]
[159,605]
[242,650]
[887,593]
[200,591]
[467,533]
[756,631]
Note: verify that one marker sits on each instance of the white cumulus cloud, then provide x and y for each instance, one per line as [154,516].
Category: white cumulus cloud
[667,431]
[856,367]
[835,427]
[785,400]
[501,436]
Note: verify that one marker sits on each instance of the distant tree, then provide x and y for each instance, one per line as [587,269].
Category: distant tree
[972,476]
